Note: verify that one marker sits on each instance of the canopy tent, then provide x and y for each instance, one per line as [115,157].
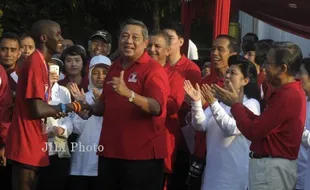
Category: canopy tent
[288,15]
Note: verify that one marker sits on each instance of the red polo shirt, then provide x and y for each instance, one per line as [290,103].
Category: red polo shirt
[175,100]
[277,131]
[189,71]
[128,132]
[6,103]
[200,139]
[25,140]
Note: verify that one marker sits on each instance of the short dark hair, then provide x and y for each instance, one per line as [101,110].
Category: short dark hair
[25,35]
[234,44]
[162,34]
[289,54]
[261,51]
[137,23]
[11,36]
[306,63]
[248,70]
[176,26]
[74,50]
[268,41]
[251,35]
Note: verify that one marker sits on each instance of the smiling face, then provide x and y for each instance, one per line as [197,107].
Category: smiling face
[131,42]
[220,53]
[98,46]
[158,49]
[54,39]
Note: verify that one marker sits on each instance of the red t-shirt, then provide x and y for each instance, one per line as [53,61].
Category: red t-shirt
[128,132]
[277,131]
[25,140]
[6,104]
[174,103]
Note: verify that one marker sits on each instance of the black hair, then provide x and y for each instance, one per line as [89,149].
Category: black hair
[251,35]
[288,53]
[162,34]
[234,44]
[268,41]
[11,36]
[24,36]
[176,26]
[306,63]
[248,70]
[137,23]
[261,51]
[74,50]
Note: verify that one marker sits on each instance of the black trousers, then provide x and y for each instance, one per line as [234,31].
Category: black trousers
[118,174]
[55,175]
[24,177]
[83,183]
[6,177]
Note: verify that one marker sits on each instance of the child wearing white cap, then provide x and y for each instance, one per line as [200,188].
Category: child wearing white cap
[84,162]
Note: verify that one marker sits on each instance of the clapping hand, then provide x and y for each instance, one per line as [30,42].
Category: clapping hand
[229,96]
[191,92]
[96,94]
[207,94]
[77,94]
[119,85]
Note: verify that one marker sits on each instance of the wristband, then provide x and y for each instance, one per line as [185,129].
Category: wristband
[79,107]
[74,107]
[63,108]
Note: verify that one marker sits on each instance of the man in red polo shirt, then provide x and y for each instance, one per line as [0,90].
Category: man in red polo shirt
[26,140]
[158,49]
[222,48]
[275,141]
[9,54]
[189,71]
[135,96]
[6,104]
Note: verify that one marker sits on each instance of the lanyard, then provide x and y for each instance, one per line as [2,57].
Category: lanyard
[46,87]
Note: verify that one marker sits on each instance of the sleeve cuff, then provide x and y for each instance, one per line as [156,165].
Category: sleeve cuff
[235,108]
[196,104]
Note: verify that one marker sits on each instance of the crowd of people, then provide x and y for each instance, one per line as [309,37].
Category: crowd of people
[146,117]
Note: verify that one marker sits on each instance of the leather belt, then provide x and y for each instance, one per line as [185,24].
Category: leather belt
[258,156]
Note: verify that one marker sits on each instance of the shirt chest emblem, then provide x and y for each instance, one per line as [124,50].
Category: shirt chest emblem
[132,77]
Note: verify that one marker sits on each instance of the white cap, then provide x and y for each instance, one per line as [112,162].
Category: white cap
[99,59]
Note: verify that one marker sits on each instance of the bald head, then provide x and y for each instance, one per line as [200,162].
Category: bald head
[47,33]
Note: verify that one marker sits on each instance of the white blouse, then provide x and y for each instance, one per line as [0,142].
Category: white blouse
[84,160]
[227,158]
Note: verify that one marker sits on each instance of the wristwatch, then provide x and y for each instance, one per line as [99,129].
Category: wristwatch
[132,96]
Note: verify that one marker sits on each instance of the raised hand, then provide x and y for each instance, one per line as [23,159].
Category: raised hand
[207,94]
[96,93]
[119,85]
[53,77]
[192,93]
[229,96]
[77,94]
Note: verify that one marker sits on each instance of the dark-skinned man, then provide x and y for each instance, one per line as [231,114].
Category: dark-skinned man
[26,138]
